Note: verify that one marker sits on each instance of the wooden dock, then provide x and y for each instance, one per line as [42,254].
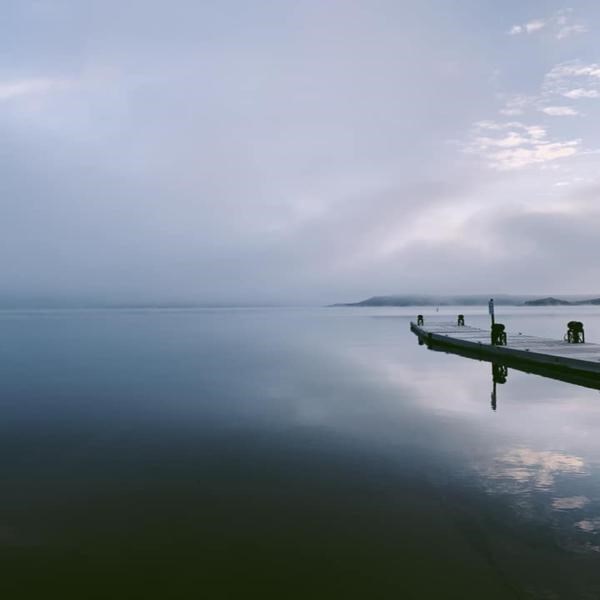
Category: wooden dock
[552,358]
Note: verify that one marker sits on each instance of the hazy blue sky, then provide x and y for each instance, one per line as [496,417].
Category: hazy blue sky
[305,151]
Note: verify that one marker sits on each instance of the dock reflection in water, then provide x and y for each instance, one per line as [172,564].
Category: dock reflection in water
[548,487]
[500,370]
[499,375]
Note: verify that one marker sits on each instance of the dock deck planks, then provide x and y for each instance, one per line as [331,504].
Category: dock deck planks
[584,358]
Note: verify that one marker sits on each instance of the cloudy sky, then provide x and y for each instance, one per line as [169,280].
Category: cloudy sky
[306,151]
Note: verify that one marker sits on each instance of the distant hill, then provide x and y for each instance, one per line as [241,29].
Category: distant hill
[425,300]
[468,300]
[550,301]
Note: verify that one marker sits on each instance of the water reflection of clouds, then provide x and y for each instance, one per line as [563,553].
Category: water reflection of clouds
[533,479]
[589,525]
[570,503]
[428,379]
[536,467]
[523,473]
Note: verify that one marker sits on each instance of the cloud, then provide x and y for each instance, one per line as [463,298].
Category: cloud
[29,87]
[534,26]
[573,79]
[517,234]
[574,68]
[516,145]
[581,93]
[530,27]
[559,111]
[533,155]
[570,30]
[516,105]
[559,24]
[563,80]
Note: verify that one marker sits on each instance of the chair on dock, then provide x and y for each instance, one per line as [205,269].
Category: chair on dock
[498,334]
[575,333]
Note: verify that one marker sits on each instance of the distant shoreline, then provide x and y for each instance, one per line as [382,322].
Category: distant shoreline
[499,300]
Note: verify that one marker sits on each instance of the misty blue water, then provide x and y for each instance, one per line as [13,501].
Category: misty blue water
[289,453]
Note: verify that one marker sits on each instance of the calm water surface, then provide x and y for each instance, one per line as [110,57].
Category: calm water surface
[283,453]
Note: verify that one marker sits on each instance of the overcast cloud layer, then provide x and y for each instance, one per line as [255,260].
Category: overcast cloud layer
[311,151]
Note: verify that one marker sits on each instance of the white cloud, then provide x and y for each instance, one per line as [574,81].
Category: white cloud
[570,30]
[559,111]
[511,140]
[573,79]
[536,154]
[29,87]
[10,90]
[534,26]
[495,126]
[515,106]
[574,69]
[530,27]
[560,24]
[511,112]
[581,93]
[516,145]
[536,131]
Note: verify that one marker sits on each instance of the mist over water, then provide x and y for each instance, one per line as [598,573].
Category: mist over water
[289,453]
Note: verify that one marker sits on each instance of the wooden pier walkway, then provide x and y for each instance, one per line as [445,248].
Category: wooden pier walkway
[521,350]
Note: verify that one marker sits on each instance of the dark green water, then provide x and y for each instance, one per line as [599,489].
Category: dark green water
[288,454]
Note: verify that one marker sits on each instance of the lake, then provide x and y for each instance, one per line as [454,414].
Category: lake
[290,453]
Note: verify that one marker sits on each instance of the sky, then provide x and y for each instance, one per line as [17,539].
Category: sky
[314,151]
